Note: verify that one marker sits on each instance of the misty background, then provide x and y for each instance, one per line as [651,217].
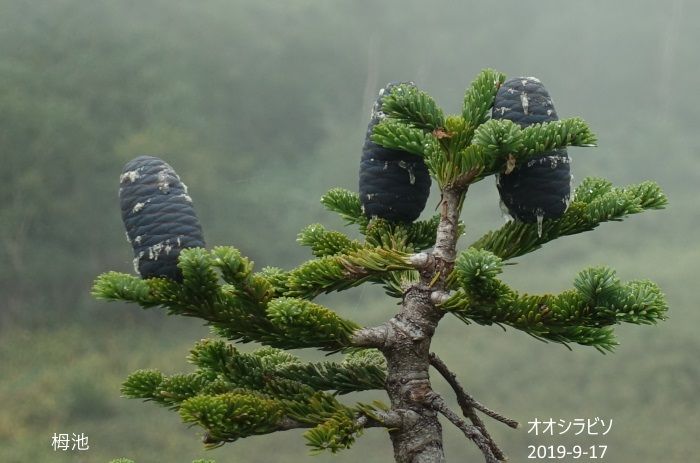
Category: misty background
[261,107]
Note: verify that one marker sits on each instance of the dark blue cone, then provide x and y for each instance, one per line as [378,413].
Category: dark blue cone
[158,216]
[541,187]
[394,184]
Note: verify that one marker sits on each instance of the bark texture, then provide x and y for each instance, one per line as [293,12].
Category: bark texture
[415,431]
[406,345]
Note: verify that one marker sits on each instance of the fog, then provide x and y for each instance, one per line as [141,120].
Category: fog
[261,107]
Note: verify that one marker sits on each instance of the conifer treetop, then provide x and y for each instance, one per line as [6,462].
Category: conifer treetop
[233,394]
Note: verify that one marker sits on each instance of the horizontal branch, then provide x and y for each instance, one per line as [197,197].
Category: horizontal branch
[342,271]
[388,420]
[371,337]
[595,201]
[503,139]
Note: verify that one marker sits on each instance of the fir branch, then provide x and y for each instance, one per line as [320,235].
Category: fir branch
[236,312]
[580,315]
[175,389]
[421,233]
[216,360]
[342,429]
[499,137]
[436,160]
[394,134]
[379,233]
[470,164]
[326,243]
[305,324]
[248,310]
[200,284]
[395,283]
[360,371]
[382,233]
[479,97]
[342,271]
[414,107]
[337,433]
[235,269]
[477,270]
[315,408]
[364,369]
[649,195]
[116,286]
[171,391]
[458,166]
[234,394]
[346,204]
[504,142]
[547,136]
[592,188]
[143,384]
[405,237]
[595,201]
[277,279]
[456,135]
[231,416]
[373,260]
[322,275]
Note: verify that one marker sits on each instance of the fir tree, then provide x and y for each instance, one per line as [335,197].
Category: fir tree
[233,394]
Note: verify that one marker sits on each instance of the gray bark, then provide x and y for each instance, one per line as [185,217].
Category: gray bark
[405,342]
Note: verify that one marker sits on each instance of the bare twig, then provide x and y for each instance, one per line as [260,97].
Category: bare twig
[471,432]
[468,405]
[463,397]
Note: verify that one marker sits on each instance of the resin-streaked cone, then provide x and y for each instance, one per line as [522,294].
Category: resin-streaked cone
[158,215]
[540,188]
[394,184]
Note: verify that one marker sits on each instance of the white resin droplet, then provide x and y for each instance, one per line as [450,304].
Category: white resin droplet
[130,176]
[409,168]
[136,261]
[163,183]
[525,102]
[540,220]
[137,207]
[505,213]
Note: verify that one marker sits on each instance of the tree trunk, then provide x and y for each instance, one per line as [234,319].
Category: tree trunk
[407,347]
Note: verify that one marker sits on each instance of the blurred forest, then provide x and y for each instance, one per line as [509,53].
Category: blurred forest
[261,107]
